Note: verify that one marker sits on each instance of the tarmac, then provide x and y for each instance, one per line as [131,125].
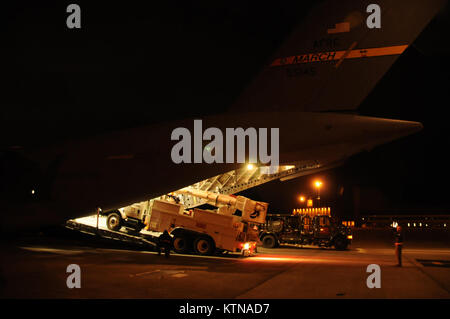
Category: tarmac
[36,267]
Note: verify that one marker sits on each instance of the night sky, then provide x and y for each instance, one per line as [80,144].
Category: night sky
[131,65]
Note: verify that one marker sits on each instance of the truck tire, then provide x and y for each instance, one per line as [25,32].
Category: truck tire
[204,246]
[269,241]
[114,221]
[180,244]
[340,243]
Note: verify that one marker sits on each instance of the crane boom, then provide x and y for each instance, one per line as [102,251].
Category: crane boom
[252,211]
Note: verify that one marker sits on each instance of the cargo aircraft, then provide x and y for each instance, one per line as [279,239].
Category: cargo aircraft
[310,90]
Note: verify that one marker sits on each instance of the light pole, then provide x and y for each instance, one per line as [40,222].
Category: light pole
[318,185]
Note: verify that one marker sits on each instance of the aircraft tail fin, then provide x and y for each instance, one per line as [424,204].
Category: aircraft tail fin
[333,59]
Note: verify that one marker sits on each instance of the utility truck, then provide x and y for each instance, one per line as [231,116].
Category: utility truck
[231,227]
[131,217]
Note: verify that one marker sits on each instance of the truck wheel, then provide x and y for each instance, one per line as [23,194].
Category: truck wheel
[114,221]
[180,244]
[340,243]
[269,241]
[203,246]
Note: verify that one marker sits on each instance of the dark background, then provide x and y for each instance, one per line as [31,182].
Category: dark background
[134,64]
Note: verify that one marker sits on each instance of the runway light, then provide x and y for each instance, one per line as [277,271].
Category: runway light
[350,237]
[302,199]
[32,191]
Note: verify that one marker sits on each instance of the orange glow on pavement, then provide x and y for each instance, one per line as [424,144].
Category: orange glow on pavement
[308,260]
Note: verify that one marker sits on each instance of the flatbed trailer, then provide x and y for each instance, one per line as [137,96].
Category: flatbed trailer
[144,240]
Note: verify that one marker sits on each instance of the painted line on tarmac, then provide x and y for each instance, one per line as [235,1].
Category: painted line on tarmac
[421,268]
[172,273]
[52,250]
[427,251]
[146,273]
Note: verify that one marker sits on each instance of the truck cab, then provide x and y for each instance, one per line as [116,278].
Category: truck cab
[131,217]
